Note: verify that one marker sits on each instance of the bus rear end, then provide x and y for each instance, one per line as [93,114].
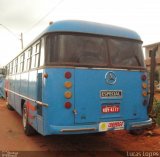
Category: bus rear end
[113,99]
[94,84]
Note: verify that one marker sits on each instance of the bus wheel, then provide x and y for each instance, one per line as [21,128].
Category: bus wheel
[136,132]
[28,129]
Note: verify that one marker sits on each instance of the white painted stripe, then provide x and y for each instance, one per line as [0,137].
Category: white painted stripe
[38,102]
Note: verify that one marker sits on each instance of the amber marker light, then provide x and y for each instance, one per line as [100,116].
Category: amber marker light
[144,85]
[68,84]
[144,93]
[68,94]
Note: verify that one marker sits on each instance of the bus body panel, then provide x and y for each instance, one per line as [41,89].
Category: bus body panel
[40,113]
[53,95]
[32,85]
[22,88]
[24,84]
[17,83]
[89,84]
[86,100]
[32,94]
[92,28]
[11,97]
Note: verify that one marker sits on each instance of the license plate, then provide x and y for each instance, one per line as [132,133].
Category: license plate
[114,108]
[114,125]
[111,93]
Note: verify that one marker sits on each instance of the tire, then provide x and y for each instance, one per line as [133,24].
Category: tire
[10,107]
[28,129]
[136,132]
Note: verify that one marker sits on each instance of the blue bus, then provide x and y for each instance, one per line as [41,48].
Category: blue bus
[80,77]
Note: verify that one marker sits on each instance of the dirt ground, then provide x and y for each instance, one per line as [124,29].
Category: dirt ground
[13,141]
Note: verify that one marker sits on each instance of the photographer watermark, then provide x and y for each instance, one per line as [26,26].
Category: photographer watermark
[9,154]
[143,153]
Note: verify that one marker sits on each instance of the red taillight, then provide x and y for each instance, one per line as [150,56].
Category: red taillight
[143,77]
[68,105]
[68,75]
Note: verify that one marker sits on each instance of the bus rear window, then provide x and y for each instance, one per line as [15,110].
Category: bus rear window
[80,50]
[95,51]
[125,53]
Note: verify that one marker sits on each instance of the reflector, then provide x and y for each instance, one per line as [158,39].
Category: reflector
[143,77]
[68,94]
[144,85]
[144,93]
[67,105]
[68,84]
[68,75]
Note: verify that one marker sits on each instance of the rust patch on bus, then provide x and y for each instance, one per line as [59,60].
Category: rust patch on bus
[30,106]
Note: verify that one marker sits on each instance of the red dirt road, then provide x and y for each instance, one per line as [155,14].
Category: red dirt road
[118,143]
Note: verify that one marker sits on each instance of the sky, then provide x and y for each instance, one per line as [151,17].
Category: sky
[31,17]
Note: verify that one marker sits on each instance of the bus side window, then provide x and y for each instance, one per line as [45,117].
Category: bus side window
[33,58]
[19,59]
[50,46]
[35,55]
[13,66]
[22,62]
[10,68]
[42,52]
[27,59]
[16,65]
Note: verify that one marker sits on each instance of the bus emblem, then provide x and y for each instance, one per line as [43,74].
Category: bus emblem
[110,78]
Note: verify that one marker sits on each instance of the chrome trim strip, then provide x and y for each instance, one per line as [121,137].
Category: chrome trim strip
[38,102]
[77,130]
[96,68]
[139,124]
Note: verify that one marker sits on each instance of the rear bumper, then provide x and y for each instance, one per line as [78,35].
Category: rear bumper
[93,128]
[140,125]
[76,129]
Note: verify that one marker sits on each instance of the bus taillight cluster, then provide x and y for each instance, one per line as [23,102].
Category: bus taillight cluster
[68,85]
[144,87]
